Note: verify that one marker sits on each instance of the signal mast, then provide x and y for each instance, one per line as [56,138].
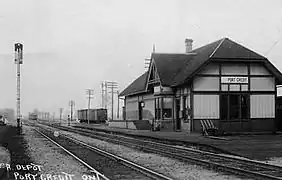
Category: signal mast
[18,62]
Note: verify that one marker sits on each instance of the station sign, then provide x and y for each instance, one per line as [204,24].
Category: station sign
[162,90]
[235,80]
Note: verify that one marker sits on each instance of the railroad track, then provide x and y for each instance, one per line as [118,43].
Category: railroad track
[234,165]
[112,166]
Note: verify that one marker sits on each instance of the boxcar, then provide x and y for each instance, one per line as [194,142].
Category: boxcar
[33,116]
[95,115]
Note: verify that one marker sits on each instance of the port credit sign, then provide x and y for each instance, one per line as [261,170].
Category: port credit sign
[237,80]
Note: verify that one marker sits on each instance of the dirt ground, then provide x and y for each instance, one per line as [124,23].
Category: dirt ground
[12,139]
[259,147]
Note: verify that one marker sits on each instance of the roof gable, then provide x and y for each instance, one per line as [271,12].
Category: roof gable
[169,65]
[153,73]
[137,86]
[202,56]
[232,50]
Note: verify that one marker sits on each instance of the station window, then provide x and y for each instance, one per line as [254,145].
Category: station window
[163,107]
[224,87]
[167,107]
[234,106]
[234,87]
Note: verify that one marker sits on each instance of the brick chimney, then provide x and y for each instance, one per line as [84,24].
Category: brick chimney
[188,45]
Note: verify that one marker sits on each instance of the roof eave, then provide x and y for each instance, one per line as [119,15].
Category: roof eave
[134,93]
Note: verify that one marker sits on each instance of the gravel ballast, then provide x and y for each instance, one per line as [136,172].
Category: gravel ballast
[168,166]
[54,161]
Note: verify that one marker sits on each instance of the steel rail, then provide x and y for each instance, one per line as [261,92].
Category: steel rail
[137,167]
[74,156]
[231,169]
[148,172]
[185,149]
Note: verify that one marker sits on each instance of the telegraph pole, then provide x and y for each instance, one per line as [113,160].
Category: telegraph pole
[102,93]
[48,116]
[118,104]
[106,95]
[18,61]
[61,112]
[90,93]
[147,64]
[71,103]
[148,60]
[112,85]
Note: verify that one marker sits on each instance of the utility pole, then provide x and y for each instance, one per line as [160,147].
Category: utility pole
[71,104]
[112,85]
[106,95]
[148,60]
[61,112]
[48,116]
[102,92]
[90,93]
[147,64]
[18,61]
[118,104]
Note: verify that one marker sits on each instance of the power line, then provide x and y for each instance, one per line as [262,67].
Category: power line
[113,86]
[61,112]
[147,61]
[71,104]
[89,93]
[118,105]
[273,45]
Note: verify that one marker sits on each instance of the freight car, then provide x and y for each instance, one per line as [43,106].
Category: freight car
[32,116]
[95,115]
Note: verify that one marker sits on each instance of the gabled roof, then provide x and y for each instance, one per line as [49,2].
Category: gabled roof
[232,50]
[137,86]
[169,65]
[202,55]
[176,69]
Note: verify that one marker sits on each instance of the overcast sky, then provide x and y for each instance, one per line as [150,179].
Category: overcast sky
[71,45]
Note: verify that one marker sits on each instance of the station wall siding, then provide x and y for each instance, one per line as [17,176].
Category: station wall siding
[262,84]
[206,106]
[206,84]
[131,108]
[258,69]
[262,106]
[148,112]
[231,69]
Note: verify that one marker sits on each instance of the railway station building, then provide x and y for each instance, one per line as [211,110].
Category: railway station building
[223,81]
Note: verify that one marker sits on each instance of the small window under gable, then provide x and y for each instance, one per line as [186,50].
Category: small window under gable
[153,74]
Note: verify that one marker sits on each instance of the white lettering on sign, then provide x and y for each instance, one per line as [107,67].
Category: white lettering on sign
[157,89]
[237,80]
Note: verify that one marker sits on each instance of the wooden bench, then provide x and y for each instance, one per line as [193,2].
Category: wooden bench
[209,129]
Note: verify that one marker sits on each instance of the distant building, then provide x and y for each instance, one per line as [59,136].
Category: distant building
[8,113]
[223,81]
